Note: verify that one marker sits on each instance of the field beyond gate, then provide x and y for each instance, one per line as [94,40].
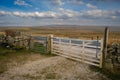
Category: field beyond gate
[86,51]
[40,43]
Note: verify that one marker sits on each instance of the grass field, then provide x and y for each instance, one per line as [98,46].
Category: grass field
[72,32]
[12,58]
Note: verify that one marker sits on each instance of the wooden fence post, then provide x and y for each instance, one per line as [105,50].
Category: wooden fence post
[50,44]
[31,43]
[104,51]
[83,50]
[101,54]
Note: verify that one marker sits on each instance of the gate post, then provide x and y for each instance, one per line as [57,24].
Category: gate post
[104,51]
[83,50]
[31,43]
[50,44]
[101,54]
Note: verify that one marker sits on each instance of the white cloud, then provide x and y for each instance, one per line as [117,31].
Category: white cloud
[22,3]
[76,2]
[66,14]
[58,2]
[113,17]
[5,13]
[97,13]
[91,6]
[36,14]
[61,16]
[2,12]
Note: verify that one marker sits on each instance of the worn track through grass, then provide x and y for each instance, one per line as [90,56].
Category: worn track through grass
[54,68]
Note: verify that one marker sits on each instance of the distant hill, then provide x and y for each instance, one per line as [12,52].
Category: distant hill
[92,28]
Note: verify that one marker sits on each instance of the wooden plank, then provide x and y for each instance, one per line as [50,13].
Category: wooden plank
[68,38]
[75,39]
[91,63]
[86,57]
[78,59]
[69,50]
[90,59]
[68,47]
[89,55]
[55,50]
[68,54]
[94,47]
[75,51]
[78,53]
[78,45]
[72,45]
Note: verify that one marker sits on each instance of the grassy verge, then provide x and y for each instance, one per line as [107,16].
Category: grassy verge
[113,76]
[12,58]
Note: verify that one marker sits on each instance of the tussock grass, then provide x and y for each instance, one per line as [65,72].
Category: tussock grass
[107,73]
[12,58]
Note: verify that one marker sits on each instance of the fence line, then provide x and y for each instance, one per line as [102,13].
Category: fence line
[87,51]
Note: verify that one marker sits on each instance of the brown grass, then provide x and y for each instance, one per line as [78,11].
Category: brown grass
[11,58]
[72,32]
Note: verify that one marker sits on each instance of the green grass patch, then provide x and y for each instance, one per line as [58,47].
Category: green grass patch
[39,48]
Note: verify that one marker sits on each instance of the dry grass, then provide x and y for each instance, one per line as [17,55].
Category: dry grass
[72,32]
[54,68]
[12,58]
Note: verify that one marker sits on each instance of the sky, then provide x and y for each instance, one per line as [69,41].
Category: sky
[59,12]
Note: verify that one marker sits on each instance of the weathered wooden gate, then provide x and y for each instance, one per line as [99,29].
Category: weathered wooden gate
[40,44]
[87,51]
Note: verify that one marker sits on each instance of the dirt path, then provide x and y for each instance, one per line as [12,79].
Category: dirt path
[53,68]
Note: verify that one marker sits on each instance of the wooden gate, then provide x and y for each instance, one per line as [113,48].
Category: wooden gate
[87,51]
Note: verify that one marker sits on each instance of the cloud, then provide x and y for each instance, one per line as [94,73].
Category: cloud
[76,2]
[3,13]
[113,17]
[91,6]
[66,14]
[36,14]
[22,3]
[57,2]
[80,2]
[101,14]
[98,14]
[62,16]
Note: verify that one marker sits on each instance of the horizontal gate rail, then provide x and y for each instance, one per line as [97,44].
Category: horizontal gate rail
[86,51]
